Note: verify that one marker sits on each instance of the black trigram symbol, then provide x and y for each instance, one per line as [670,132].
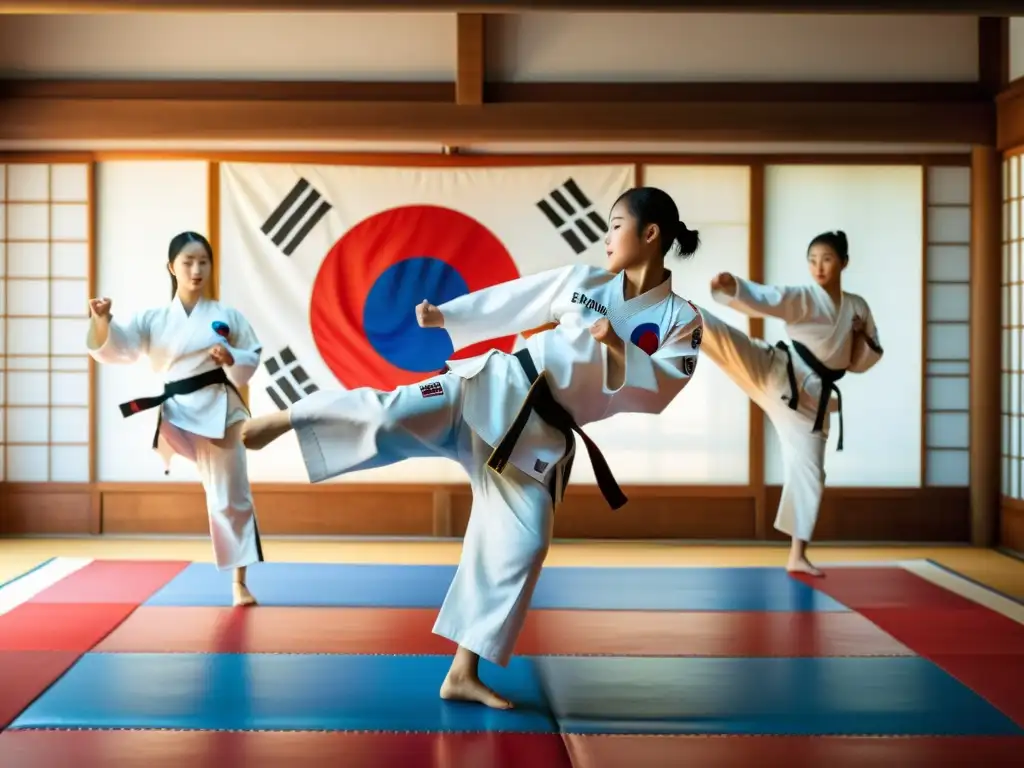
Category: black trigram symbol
[573,215]
[290,379]
[304,207]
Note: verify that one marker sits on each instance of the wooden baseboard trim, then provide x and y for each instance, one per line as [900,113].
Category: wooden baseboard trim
[696,513]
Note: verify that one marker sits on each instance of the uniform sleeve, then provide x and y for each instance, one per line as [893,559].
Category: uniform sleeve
[866,348]
[245,348]
[672,365]
[506,309]
[787,303]
[125,342]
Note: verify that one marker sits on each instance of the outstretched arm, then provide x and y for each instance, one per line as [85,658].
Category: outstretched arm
[501,310]
[109,341]
[787,303]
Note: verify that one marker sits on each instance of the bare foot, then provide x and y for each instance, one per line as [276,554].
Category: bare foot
[242,595]
[263,430]
[803,565]
[464,688]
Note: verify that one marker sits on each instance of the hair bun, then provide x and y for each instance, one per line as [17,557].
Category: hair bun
[688,239]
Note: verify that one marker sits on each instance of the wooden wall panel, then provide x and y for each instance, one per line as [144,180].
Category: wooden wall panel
[44,508]
[652,513]
[887,514]
[1011,524]
[664,513]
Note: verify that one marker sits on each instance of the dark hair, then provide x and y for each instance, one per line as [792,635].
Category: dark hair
[650,205]
[178,243]
[834,240]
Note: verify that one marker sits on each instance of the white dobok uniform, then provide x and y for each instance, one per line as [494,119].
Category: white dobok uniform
[192,424]
[467,412]
[795,384]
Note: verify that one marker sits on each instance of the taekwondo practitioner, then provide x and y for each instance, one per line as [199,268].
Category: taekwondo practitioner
[621,342]
[205,352]
[831,332]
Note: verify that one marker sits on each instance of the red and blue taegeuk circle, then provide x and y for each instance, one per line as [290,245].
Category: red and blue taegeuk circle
[646,336]
[363,306]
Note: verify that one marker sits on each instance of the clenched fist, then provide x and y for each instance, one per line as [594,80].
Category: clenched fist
[724,282]
[100,308]
[221,355]
[429,316]
[602,331]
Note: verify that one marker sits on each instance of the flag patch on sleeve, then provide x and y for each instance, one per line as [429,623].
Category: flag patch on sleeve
[432,389]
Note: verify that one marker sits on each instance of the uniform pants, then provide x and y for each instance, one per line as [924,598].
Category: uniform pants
[759,369]
[224,474]
[511,520]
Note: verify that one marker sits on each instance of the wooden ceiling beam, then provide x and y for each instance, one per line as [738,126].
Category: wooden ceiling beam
[59,113]
[470,59]
[993,54]
[958,7]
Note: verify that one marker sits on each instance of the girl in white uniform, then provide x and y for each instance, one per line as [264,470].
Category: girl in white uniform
[621,342]
[205,352]
[832,332]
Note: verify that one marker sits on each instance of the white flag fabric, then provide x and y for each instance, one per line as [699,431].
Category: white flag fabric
[328,262]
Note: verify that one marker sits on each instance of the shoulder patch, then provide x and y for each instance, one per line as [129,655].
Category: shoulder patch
[689,365]
[697,337]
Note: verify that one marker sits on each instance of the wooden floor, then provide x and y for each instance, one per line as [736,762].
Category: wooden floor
[999,571]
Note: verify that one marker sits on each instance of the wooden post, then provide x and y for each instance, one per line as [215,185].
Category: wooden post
[986,248]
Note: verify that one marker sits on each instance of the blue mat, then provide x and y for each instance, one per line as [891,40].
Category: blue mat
[252,692]
[772,696]
[425,586]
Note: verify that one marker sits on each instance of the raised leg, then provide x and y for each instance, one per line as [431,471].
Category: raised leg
[341,431]
[261,431]
[747,362]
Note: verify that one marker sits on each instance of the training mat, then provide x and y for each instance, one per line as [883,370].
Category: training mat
[425,586]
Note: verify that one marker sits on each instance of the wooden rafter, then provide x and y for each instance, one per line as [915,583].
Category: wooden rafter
[470,59]
[86,111]
[958,7]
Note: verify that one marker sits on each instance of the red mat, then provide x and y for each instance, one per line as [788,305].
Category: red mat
[24,675]
[205,749]
[864,588]
[52,627]
[791,751]
[272,629]
[981,648]
[997,678]
[930,631]
[706,634]
[112,581]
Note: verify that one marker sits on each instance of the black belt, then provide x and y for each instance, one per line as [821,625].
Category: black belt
[828,377]
[179,387]
[542,401]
